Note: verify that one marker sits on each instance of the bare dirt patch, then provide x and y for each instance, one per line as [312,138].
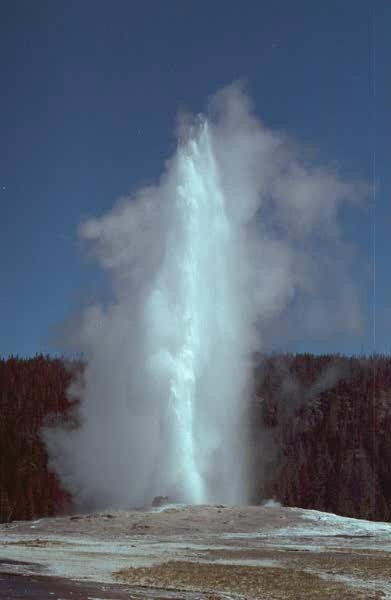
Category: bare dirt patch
[38,543]
[253,582]
[361,564]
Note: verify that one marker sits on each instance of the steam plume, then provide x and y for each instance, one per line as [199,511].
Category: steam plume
[204,267]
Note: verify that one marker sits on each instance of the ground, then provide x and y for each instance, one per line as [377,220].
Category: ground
[196,552]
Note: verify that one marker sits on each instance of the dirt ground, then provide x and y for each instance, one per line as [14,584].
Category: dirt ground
[204,552]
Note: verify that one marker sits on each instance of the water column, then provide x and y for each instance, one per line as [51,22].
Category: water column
[193,287]
[200,206]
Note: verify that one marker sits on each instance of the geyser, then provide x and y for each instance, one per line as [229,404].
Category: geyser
[236,245]
[195,327]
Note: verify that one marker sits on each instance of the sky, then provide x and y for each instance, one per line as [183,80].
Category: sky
[90,92]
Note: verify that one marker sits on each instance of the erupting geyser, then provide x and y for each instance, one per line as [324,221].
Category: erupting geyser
[203,267]
[195,291]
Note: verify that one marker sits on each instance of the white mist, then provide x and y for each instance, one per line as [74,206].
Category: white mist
[235,249]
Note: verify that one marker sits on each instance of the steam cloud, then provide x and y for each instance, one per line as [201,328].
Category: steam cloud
[240,233]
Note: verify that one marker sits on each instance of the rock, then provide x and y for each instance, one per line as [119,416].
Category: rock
[160,501]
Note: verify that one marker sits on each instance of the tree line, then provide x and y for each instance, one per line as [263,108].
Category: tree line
[320,433]
[32,395]
[328,419]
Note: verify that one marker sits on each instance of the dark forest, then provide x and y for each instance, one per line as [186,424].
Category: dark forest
[318,425]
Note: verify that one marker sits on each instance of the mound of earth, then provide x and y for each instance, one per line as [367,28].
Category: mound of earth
[204,552]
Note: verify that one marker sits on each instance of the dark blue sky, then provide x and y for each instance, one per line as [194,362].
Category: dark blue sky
[89,95]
